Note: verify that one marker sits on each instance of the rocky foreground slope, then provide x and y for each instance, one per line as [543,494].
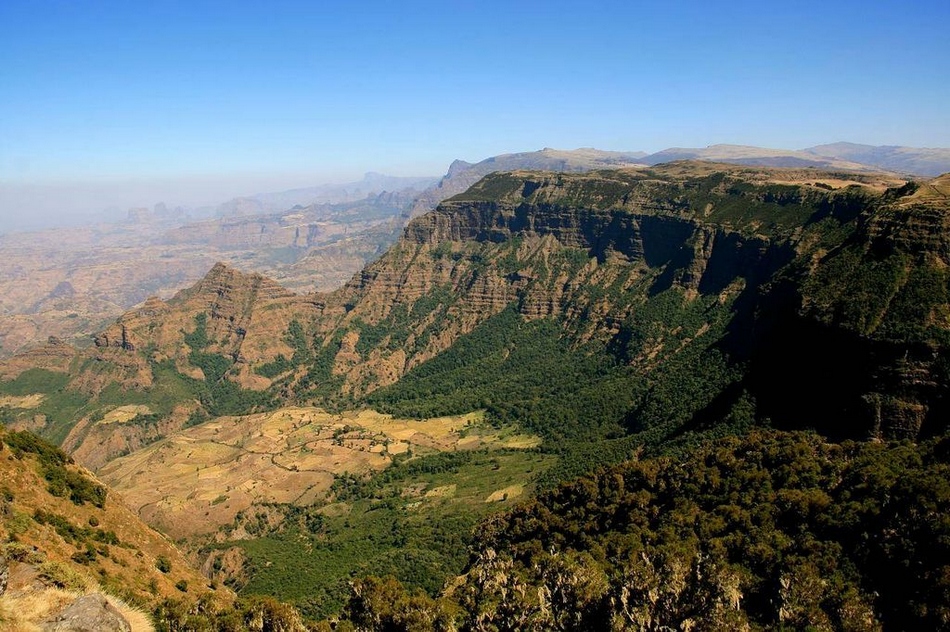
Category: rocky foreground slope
[74,555]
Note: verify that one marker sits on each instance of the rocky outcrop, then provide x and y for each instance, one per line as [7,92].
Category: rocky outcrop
[234,302]
[231,299]
[238,308]
[89,613]
[94,444]
[55,355]
[115,336]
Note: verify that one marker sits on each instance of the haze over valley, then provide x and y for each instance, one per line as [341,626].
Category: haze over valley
[309,239]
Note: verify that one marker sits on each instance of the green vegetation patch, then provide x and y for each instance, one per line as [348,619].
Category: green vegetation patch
[74,534]
[583,399]
[414,521]
[168,389]
[319,382]
[61,406]
[275,367]
[63,481]
[506,366]
[35,381]
[219,395]
[771,531]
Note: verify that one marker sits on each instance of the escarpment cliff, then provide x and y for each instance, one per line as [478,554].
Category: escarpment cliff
[670,296]
[588,249]
[652,236]
[830,288]
[871,324]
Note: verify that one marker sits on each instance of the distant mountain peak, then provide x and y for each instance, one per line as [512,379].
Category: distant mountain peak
[920,161]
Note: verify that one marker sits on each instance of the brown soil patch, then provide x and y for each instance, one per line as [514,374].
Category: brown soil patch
[198,479]
[22,401]
[123,414]
[508,493]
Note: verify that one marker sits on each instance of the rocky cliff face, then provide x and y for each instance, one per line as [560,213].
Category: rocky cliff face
[917,224]
[585,248]
[651,237]
[791,261]
[856,347]
[873,323]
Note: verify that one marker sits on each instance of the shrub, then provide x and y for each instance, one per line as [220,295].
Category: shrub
[62,576]
[163,564]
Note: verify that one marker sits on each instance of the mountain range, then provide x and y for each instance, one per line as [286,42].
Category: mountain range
[372,184]
[76,284]
[851,156]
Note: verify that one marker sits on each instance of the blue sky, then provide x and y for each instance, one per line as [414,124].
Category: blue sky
[206,99]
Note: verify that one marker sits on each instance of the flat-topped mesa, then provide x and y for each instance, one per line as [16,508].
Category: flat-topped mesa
[692,215]
[918,224]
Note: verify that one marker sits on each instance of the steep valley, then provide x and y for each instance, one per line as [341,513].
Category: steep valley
[531,329]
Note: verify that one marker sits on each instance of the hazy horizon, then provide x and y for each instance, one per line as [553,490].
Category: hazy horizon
[112,105]
[31,206]
[70,203]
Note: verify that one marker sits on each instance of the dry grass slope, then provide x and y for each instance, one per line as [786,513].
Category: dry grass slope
[51,542]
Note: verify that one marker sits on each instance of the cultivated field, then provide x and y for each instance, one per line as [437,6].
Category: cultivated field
[198,479]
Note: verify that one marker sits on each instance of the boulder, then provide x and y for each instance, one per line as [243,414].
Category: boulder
[90,613]
[4,574]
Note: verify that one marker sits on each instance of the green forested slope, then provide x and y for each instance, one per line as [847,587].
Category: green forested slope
[771,531]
